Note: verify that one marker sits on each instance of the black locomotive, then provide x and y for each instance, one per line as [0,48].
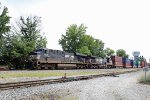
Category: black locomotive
[56,59]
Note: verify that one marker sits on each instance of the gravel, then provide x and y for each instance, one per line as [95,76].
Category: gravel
[123,87]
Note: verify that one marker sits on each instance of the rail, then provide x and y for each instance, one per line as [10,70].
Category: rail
[6,86]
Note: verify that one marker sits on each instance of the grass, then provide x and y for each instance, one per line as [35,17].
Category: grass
[53,73]
[41,74]
[142,79]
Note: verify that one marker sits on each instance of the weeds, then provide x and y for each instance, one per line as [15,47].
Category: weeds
[143,80]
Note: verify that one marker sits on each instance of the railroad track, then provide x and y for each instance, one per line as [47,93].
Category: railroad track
[14,85]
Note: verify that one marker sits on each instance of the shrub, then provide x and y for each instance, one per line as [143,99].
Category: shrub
[143,80]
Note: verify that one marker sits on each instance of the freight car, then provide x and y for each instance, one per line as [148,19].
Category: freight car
[143,63]
[117,61]
[55,59]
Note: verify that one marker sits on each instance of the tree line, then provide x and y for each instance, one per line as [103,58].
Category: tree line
[21,38]
[76,40]
[18,40]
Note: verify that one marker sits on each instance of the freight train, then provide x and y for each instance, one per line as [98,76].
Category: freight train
[56,59]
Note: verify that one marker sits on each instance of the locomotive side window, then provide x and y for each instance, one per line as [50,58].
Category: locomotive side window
[63,54]
[38,50]
[52,51]
[60,52]
[46,51]
[49,51]
[57,52]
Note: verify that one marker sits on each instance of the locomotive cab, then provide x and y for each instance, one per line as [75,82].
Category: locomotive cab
[35,55]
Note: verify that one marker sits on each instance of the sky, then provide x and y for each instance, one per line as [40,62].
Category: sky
[120,24]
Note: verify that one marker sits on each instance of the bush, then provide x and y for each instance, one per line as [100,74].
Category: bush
[142,79]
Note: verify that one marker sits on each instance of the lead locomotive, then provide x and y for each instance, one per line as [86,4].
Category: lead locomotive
[55,59]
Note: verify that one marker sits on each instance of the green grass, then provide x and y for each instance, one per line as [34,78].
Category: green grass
[53,73]
[41,74]
[142,79]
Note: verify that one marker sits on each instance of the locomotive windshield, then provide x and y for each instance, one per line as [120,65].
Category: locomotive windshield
[35,55]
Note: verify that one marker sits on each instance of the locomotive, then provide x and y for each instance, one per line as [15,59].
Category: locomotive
[56,59]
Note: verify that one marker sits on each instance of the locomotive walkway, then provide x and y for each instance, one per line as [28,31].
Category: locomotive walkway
[25,84]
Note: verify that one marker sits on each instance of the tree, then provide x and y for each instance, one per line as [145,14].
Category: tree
[86,40]
[98,48]
[4,22]
[72,38]
[84,50]
[109,52]
[4,28]
[126,56]
[86,43]
[25,37]
[94,45]
[30,31]
[122,53]
[75,40]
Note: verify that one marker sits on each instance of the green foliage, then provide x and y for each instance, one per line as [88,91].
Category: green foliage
[30,32]
[41,42]
[84,50]
[71,40]
[122,53]
[4,22]
[24,38]
[94,46]
[109,52]
[87,40]
[75,40]
[98,48]
[126,56]
[4,28]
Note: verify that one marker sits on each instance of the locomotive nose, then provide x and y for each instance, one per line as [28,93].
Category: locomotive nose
[35,55]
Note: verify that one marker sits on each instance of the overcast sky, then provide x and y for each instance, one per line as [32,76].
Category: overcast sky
[120,24]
